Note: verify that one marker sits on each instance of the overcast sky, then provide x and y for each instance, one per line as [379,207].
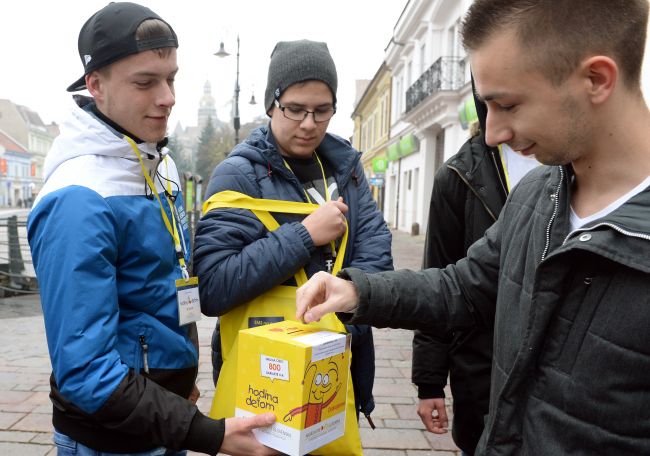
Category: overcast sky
[40,57]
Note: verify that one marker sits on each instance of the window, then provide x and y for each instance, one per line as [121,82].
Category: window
[454,43]
[398,97]
[386,120]
[409,74]
[383,116]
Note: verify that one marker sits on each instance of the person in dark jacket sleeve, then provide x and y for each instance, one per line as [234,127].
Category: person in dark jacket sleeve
[459,214]
[469,191]
[293,159]
[107,234]
[564,273]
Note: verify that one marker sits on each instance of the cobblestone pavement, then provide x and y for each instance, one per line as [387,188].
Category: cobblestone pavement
[25,409]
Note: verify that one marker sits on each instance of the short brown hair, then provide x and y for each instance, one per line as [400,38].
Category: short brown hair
[155,28]
[148,29]
[561,33]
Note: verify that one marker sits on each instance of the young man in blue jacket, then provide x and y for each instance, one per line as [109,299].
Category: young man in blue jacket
[108,239]
[564,273]
[293,159]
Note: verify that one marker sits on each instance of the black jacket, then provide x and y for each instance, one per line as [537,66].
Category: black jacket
[468,193]
[571,359]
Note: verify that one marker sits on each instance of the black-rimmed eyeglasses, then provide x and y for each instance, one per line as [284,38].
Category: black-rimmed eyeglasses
[299,114]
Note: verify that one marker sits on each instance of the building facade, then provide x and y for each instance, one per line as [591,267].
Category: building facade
[371,118]
[16,168]
[430,86]
[26,128]
[188,137]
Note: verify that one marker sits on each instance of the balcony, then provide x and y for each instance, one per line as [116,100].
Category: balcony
[446,73]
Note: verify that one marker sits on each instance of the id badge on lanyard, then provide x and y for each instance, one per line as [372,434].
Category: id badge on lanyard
[189,305]
[187,288]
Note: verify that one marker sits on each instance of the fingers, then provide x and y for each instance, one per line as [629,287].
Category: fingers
[425,412]
[326,223]
[239,439]
[441,410]
[340,205]
[258,421]
[324,294]
[310,294]
[433,414]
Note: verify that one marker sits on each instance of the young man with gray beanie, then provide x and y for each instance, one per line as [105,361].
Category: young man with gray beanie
[107,234]
[293,158]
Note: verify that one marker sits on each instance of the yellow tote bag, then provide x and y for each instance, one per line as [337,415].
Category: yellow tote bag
[277,304]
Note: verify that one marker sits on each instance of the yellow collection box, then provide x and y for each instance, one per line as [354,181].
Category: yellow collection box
[300,373]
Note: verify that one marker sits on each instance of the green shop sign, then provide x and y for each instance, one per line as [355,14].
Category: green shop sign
[393,152]
[408,144]
[379,164]
[467,113]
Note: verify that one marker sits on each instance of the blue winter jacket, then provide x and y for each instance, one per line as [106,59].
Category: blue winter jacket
[232,247]
[106,267]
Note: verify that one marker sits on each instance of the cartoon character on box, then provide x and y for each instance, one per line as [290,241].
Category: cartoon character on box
[323,377]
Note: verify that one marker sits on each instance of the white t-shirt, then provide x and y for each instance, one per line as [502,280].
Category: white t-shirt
[516,165]
[577,222]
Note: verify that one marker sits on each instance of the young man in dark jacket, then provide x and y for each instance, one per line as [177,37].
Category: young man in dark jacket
[570,252]
[469,191]
[293,159]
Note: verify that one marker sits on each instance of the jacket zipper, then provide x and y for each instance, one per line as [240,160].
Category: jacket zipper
[556,198]
[612,226]
[145,354]
[496,166]
[489,211]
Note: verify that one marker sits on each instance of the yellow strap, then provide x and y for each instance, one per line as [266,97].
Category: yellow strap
[326,191]
[505,166]
[171,226]
[262,209]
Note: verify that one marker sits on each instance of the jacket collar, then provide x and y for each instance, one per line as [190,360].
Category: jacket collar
[261,147]
[623,235]
[82,133]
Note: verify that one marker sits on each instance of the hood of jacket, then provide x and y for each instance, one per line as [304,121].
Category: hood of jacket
[260,147]
[84,134]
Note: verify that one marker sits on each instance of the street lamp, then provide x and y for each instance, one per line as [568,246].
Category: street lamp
[222,53]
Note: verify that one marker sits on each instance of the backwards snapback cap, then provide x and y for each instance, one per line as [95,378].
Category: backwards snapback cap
[110,35]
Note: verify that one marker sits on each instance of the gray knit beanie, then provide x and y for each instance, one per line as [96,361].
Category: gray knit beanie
[298,61]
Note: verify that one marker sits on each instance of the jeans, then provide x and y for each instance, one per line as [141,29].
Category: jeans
[65,446]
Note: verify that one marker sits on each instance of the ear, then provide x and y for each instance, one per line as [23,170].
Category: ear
[601,76]
[94,84]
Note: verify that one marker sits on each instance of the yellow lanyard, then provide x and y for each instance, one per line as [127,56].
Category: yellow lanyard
[327,193]
[171,226]
[322,170]
[505,166]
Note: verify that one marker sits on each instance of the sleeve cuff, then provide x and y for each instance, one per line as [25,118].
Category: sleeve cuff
[426,391]
[205,434]
[305,236]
